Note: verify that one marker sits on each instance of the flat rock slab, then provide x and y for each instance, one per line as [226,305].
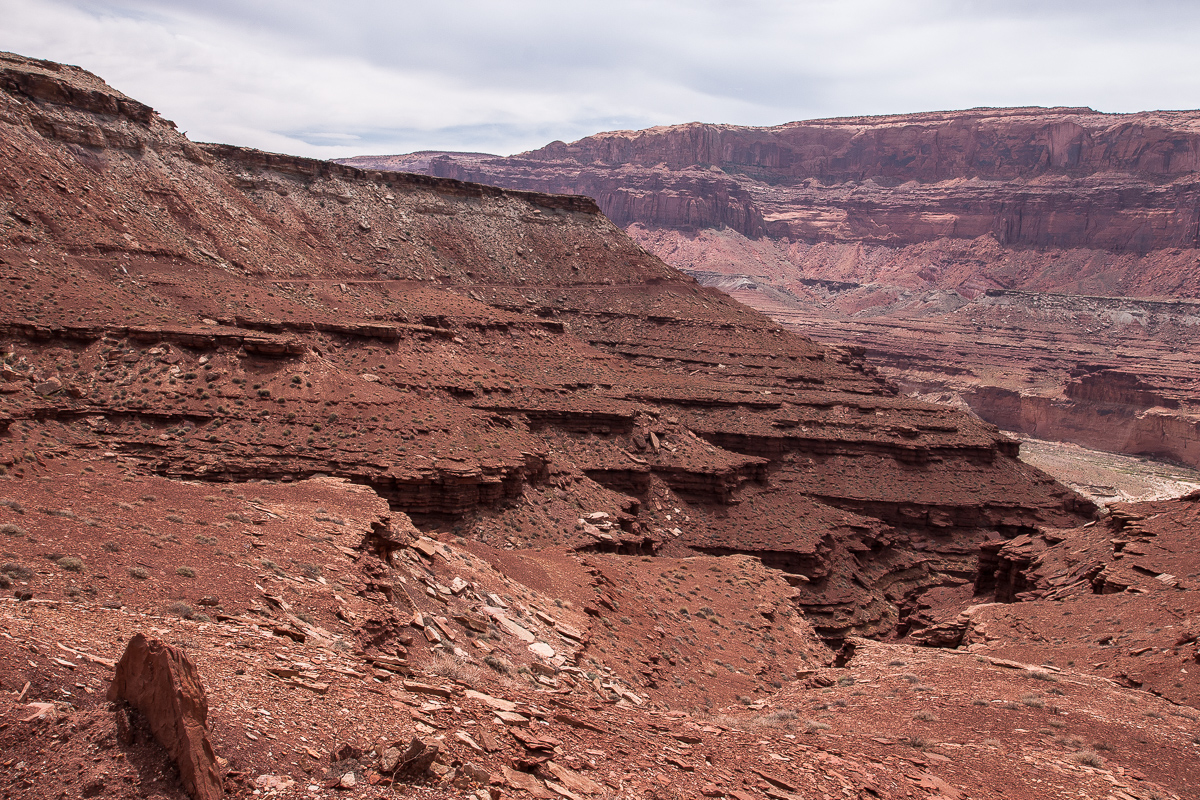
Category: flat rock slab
[541,650]
[508,625]
[573,780]
[424,688]
[492,702]
[523,780]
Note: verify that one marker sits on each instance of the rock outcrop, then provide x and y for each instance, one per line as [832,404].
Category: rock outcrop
[162,684]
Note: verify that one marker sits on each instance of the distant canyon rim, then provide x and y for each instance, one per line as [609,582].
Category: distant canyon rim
[1038,265]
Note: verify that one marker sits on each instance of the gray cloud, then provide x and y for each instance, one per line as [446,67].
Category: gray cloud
[343,78]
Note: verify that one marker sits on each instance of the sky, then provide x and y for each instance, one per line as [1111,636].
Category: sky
[354,77]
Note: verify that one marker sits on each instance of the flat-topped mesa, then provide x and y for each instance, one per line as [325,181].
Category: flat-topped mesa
[490,361]
[1027,177]
[983,143]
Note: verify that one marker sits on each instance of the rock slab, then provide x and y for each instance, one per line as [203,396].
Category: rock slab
[160,682]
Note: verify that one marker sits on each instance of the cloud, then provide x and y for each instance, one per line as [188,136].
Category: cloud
[341,78]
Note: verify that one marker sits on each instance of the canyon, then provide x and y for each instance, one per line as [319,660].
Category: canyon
[1035,264]
[425,485]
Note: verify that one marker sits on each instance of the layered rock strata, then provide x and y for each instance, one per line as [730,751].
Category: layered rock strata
[492,362]
[887,231]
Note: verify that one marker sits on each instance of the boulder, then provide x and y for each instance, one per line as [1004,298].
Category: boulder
[411,764]
[160,682]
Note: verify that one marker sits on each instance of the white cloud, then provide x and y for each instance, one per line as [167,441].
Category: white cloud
[341,78]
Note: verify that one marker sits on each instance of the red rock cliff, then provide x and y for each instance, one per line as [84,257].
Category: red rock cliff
[1027,177]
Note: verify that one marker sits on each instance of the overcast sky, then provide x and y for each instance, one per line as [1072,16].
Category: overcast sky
[331,79]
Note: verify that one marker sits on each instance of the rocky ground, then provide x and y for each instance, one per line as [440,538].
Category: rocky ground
[306,659]
[447,490]
[1107,478]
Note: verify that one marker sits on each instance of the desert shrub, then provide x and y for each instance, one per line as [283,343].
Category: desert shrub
[174,518]
[1040,675]
[896,663]
[310,570]
[925,716]
[185,572]
[500,665]
[9,529]
[4,581]
[66,513]
[908,676]
[16,571]
[139,573]
[181,609]
[452,667]
[111,547]
[1033,701]
[917,742]
[846,680]
[782,715]
[979,701]
[1088,757]
[813,726]
[70,563]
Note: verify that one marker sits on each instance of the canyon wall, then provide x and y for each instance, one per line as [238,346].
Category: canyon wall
[907,224]
[498,364]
